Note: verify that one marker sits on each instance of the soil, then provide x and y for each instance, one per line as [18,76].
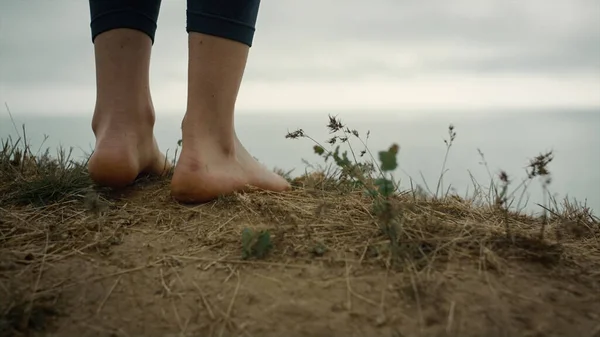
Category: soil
[139,264]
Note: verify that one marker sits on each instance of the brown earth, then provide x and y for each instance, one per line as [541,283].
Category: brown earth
[139,264]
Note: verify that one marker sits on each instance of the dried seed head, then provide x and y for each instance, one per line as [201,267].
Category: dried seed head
[296,134]
[334,124]
[504,177]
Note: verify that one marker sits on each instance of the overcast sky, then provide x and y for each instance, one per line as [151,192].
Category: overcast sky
[331,54]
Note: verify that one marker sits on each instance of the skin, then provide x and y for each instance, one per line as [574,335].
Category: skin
[213,162]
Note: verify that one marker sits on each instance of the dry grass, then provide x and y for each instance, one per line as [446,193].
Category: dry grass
[77,259]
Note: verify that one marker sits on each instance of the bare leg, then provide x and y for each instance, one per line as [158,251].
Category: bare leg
[213,162]
[123,119]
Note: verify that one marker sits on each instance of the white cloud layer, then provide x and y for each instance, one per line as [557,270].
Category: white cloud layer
[338,54]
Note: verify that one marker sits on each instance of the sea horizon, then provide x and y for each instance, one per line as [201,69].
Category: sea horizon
[508,140]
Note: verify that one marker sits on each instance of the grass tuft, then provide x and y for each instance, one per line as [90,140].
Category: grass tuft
[40,179]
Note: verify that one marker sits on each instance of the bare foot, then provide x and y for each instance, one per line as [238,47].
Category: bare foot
[213,162]
[124,150]
[206,170]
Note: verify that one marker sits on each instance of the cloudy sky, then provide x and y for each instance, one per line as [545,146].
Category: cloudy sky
[313,55]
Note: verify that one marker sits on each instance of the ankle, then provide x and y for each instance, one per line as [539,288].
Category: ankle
[131,117]
[216,134]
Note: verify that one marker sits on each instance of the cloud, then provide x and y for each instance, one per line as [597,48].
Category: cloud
[334,44]
[475,36]
[45,42]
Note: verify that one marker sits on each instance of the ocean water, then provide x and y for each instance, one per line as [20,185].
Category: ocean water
[507,139]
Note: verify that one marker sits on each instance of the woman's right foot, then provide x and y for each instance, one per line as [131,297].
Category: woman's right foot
[212,166]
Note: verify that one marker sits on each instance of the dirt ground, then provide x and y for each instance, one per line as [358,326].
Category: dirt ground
[139,264]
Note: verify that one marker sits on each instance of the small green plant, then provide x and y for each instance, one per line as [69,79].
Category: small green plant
[537,168]
[255,243]
[383,206]
[352,168]
[502,201]
[319,249]
[448,142]
[373,178]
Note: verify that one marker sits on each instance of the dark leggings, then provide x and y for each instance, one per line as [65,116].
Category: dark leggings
[230,19]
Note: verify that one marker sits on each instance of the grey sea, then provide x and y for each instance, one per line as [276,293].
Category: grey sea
[508,141]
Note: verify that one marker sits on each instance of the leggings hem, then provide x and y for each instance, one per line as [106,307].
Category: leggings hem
[219,26]
[123,19]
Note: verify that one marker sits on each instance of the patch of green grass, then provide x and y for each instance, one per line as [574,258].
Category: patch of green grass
[39,179]
[255,243]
